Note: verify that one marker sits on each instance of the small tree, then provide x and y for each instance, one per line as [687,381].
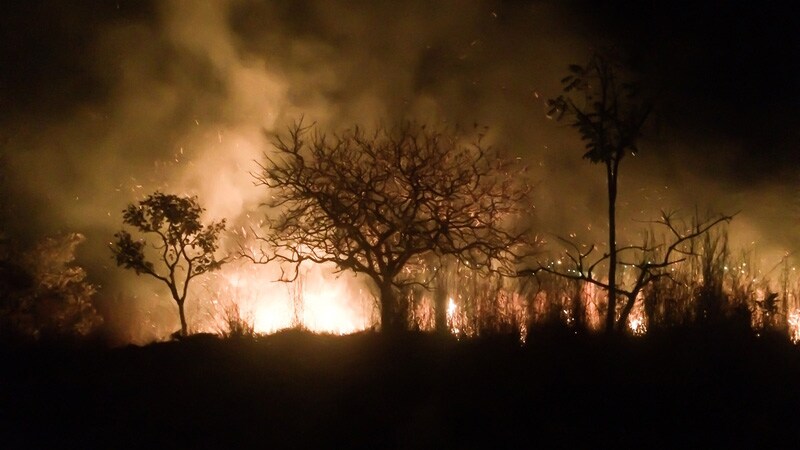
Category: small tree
[184,247]
[379,204]
[610,118]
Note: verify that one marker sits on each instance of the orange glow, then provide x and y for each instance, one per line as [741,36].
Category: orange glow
[454,323]
[637,322]
[317,300]
[637,325]
[326,312]
[794,326]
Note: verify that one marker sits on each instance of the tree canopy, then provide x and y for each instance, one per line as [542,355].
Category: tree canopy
[609,115]
[379,203]
[184,247]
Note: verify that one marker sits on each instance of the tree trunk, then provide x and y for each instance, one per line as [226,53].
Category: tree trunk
[578,310]
[184,328]
[651,307]
[394,318]
[626,312]
[611,172]
[179,300]
[440,309]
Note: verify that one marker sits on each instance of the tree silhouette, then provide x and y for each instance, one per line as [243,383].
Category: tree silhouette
[609,116]
[43,292]
[379,204]
[184,248]
[649,261]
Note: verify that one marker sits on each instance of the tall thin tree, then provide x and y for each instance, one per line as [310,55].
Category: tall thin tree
[609,116]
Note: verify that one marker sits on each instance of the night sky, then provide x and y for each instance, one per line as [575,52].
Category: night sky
[102,102]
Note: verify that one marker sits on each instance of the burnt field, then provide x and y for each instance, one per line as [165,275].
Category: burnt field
[300,390]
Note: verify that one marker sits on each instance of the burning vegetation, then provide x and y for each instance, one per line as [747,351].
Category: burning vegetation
[242,223]
[411,228]
[418,227]
[348,224]
[414,227]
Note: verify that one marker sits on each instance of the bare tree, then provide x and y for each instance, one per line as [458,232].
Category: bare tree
[184,248]
[610,118]
[650,262]
[380,203]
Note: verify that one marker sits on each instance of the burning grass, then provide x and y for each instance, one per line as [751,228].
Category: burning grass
[710,287]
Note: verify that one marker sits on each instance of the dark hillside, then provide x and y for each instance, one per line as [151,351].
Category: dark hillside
[299,390]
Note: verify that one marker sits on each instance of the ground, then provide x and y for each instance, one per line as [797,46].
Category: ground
[299,390]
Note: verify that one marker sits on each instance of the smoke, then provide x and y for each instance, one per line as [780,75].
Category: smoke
[121,99]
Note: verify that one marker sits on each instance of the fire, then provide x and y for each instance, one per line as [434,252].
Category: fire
[317,300]
[451,308]
[637,326]
[326,312]
[637,323]
[452,319]
[794,326]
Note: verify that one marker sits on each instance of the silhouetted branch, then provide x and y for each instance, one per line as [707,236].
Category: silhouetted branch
[379,203]
[648,269]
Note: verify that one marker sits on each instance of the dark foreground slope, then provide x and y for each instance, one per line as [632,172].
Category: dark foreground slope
[297,390]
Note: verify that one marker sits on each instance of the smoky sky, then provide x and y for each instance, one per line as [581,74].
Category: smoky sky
[720,70]
[102,102]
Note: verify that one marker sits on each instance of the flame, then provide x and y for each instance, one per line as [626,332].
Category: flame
[318,300]
[794,326]
[637,325]
[452,319]
[637,322]
[451,308]
[325,311]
